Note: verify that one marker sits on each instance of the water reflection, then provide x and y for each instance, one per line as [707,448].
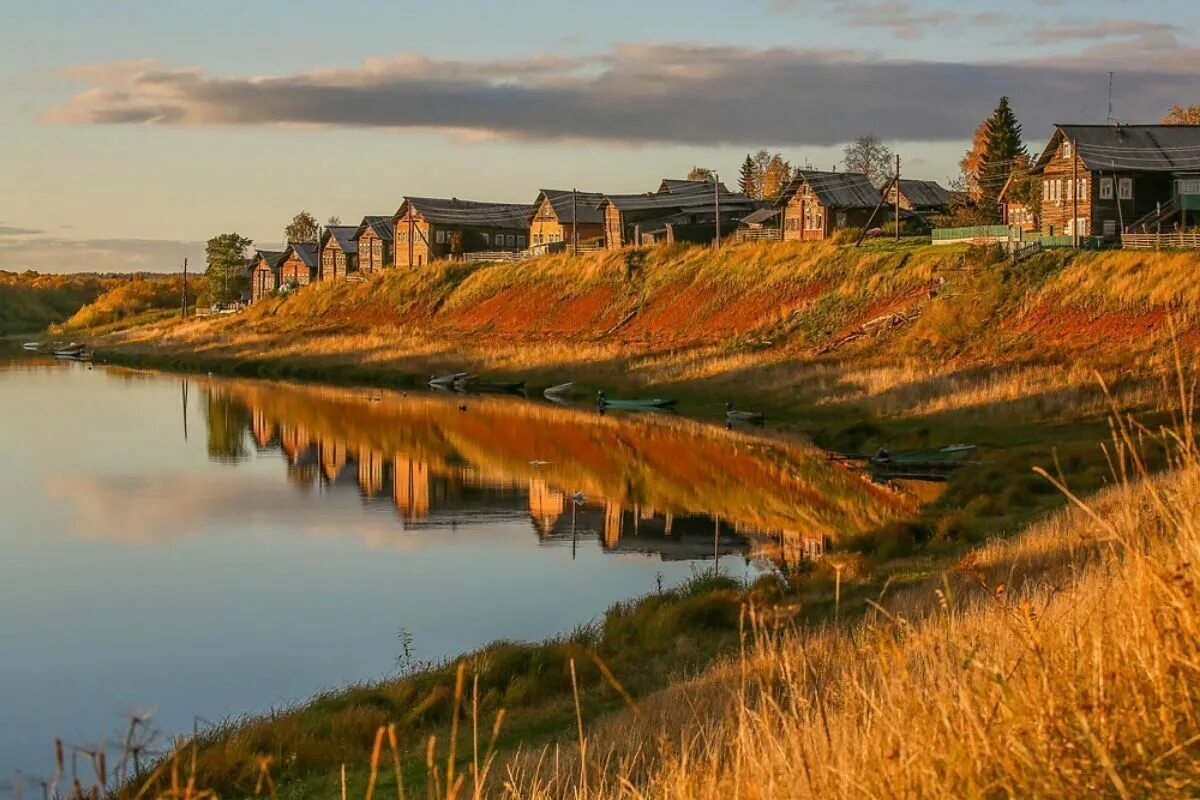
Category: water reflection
[652,485]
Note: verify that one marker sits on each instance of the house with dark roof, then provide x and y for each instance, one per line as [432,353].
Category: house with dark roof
[337,252]
[375,239]
[816,204]
[1102,180]
[920,197]
[1015,212]
[428,229]
[559,213]
[298,264]
[681,211]
[264,273]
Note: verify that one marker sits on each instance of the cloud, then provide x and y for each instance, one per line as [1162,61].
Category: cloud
[905,20]
[1149,33]
[56,254]
[9,230]
[647,93]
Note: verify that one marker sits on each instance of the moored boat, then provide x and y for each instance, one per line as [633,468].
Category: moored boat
[633,404]
[446,381]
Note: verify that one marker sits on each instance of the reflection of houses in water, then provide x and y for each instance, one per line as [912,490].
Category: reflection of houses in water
[546,505]
[410,488]
[789,548]
[370,472]
[263,429]
[333,458]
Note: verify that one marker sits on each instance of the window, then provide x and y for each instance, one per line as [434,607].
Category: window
[520,241]
[510,240]
[1125,189]
[1083,188]
[1106,188]
[440,237]
[1045,191]
[1066,150]
[1070,190]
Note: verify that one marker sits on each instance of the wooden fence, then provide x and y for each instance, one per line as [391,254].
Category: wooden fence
[758,235]
[1161,241]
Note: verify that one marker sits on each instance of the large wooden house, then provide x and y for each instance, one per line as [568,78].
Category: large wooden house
[920,197]
[559,214]
[1102,180]
[338,252]
[298,265]
[816,204]
[264,273]
[428,229]
[680,211]
[375,240]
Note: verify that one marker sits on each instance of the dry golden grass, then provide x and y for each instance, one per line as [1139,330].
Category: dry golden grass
[1072,669]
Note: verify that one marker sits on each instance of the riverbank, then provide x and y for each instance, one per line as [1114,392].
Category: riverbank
[903,346]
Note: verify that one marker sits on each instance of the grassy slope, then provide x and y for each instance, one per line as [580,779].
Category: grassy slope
[130,302]
[29,302]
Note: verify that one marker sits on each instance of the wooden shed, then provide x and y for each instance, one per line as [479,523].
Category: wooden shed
[816,204]
[264,273]
[375,237]
[428,229]
[559,213]
[680,211]
[918,196]
[298,265]
[338,252]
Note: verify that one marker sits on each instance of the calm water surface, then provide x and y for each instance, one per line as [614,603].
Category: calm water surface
[200,548]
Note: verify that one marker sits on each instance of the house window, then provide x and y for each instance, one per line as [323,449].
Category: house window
[510,240]
[1066,150]
[440,237]
[520,241]
[1125,189]
[1106,188]
[1045,191]
[1083,188]
[1070,190]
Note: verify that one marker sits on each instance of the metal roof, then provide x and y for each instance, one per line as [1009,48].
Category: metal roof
[923,194]
[452,211]
[382,226]
[561,199]
[272,258]
[835,189]
[691,202]
[674,186]
[760,216]
[1130,148]
[305,251]
[343,235]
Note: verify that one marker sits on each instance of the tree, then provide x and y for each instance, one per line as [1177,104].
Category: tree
[333,221]
[702,174]
[775,178]
[748,178]
[972,162]
[225,277]
[1002,151]
[871,157]
[303,228]
[1183,115]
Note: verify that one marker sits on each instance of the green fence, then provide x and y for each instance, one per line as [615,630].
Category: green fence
[1085,242]
[977,232]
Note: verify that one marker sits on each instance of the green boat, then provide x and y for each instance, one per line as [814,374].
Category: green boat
[951,457]
[636,405]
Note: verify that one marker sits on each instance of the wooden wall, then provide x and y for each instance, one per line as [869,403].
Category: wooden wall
[294,271]
[374,253]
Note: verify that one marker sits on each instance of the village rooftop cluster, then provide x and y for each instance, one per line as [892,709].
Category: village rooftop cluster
[1093,185]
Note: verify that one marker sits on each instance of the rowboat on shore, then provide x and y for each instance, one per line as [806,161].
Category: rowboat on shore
[557,392]
[951,457]
[651,404]
[72,349]
[32,346]
[748,417]
[446,381]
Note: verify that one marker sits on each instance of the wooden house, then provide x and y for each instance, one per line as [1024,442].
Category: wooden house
[264,273]
[816,204]
[338,252]
[1103,180]
[1015,213]
[681,211]
[558,214]
[428,229]
[375,239]
[298,265]
[920,197]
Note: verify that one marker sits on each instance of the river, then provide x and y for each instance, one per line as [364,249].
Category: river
[190,548]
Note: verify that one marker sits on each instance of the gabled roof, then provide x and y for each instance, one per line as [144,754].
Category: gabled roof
[1129,148]
[343,236]
[382,226]
[690,202]
[563,200]
[835,189]
[760,216]
[452,211]
[272,258]
[674,186]
[305,251]
[922,194]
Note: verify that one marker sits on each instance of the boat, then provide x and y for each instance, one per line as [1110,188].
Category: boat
[446,381]
[656,403]
[31,346]
[748,417]
[556,392]
[72,349]
[476,386]
[951,457]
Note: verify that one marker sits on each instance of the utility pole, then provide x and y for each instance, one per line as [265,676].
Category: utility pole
[717,199]
[184,292]
[1074,195]
[574,222]
[897,190]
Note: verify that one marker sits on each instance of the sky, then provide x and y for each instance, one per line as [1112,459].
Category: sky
[133,130]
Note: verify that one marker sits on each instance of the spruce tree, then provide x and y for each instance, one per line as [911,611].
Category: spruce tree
[1002,148]
[748,179]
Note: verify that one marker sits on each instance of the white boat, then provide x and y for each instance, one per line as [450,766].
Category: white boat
[72,349]
[556,392]
[32,346]
[446,381]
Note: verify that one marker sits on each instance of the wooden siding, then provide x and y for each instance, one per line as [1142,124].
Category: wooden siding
[546,228]
[294,271]
[262,281]
[419,242]
[413,241]
[804,218]
[334,263]
[374,253]
[614,233]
